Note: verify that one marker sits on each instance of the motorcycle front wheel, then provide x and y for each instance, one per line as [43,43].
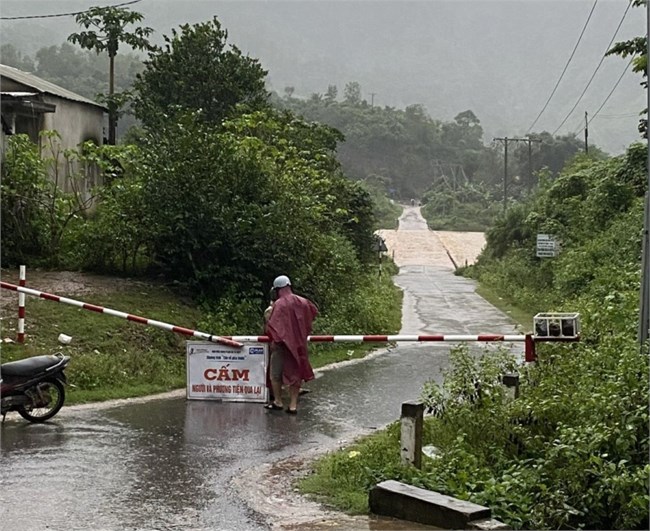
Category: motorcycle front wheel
[46,400]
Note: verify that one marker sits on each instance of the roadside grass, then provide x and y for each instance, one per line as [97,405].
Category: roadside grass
[341,479]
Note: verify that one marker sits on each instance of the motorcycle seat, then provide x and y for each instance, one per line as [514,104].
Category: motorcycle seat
[29,366]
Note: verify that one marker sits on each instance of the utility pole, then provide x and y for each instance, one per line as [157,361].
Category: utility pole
[505,171]
[372,99]
[586,134]
[530,157]
[530,166]
[505,141]
[644,306]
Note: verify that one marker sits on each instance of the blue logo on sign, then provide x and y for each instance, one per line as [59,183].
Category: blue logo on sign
[256,350]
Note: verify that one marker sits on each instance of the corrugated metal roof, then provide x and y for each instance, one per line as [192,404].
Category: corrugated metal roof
[42,86]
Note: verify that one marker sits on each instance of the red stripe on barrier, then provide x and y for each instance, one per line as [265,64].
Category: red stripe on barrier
[50,297]
[488,337]
[181,330]
[21,312]
[431,338]
[375,338]
[137,319]
[93,308]
[321,339]
[8,286]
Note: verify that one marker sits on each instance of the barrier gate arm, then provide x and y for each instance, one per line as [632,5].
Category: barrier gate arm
[129,317]
[529,340]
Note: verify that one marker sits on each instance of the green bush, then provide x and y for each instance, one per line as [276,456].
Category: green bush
[23,192]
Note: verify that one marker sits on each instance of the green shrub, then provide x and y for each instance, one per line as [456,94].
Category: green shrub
[23,191]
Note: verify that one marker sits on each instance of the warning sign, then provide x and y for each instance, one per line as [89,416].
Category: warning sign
[219,372]
[547,246]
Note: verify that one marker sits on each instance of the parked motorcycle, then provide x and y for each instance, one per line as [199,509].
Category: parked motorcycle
[33,387]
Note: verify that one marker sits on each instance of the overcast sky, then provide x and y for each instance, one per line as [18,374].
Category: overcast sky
[499,58]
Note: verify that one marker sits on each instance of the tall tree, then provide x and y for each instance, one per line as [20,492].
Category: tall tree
[198,71]
[110,30]
[352,93]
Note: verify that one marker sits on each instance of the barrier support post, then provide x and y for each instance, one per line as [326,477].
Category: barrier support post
[21,306]
[412,420]
[529,345]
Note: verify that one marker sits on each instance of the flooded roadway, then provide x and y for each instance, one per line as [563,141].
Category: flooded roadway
[170,464]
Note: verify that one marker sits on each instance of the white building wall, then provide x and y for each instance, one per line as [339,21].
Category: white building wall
[76,123]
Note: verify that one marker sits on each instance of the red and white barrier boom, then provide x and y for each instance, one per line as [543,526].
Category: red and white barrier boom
[528,339]
[388,339]
[543,327]
[548,327]
[127,316]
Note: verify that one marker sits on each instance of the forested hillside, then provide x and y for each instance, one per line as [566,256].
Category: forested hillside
[409,153]
[400,153]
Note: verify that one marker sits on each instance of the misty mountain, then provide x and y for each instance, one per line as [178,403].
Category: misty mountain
[499,58]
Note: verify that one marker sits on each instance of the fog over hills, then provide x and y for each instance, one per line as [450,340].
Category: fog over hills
[499,58]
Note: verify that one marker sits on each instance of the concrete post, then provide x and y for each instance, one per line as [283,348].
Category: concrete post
[412,420]
[512,381]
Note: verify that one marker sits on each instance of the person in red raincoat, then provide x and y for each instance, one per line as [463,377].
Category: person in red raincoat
[288,326]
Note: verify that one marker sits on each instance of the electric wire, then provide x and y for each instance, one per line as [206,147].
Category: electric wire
[565,67]
[595,71]
[609,95]
[627,115]
[66,14]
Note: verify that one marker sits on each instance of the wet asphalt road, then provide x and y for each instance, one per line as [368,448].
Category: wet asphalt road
[168,464]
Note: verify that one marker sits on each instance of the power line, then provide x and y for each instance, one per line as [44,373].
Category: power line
[565,67]
[609,95]
[595,71]
[66,14]
[612,116]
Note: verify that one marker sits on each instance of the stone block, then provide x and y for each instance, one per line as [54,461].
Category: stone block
[392,498]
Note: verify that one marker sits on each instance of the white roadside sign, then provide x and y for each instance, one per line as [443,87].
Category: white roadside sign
[220,372]
[547,246]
